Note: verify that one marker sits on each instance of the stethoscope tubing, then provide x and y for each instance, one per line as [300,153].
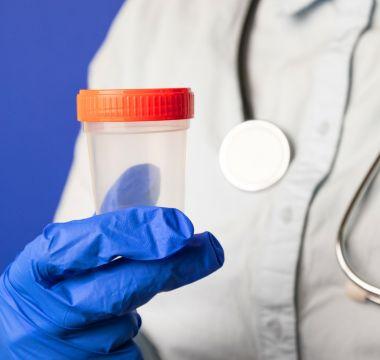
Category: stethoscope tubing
[242,61]
[372,292]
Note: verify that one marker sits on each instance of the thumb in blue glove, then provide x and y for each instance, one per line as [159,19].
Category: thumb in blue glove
[136,186]
[66,297]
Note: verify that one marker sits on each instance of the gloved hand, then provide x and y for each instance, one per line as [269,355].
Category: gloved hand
[72,293]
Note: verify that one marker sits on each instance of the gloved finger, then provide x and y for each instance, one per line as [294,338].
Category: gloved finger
[105,336]
[124,285]
[22,339]
[142,233]
[140,184]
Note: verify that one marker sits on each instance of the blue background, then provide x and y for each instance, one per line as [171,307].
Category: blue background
[45,48]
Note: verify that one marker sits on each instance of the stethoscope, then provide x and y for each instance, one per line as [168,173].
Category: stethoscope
[255,155]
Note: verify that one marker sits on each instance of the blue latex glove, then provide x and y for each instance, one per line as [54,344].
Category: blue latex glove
[66,297]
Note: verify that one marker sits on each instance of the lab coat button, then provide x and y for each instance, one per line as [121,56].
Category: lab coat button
[287,214]
[323,128]
[275,328]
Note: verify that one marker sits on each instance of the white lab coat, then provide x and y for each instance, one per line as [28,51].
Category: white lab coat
[315,72]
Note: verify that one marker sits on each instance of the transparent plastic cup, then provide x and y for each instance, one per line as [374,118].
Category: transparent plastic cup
[137,145]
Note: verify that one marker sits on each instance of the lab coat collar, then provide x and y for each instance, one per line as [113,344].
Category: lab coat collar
[295,7]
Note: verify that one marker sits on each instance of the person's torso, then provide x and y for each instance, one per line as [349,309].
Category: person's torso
[303,74]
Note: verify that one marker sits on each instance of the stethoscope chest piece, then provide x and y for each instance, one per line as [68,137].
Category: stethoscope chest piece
[254,155]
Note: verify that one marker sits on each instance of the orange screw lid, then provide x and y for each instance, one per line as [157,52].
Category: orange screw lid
[135,105]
